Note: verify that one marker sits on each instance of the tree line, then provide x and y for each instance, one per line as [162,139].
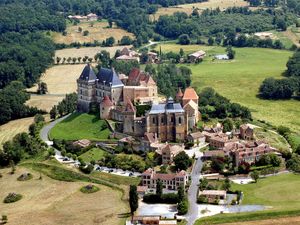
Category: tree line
[284,88]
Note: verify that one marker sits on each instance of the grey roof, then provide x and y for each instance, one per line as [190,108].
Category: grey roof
[109,77]
[169,107]
[88,73]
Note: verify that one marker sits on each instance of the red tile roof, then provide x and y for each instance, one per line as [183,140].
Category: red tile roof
[106,101]
[190,93]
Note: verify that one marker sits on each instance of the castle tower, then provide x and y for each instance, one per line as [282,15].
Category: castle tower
[86,89]
[129,117]
[106,106]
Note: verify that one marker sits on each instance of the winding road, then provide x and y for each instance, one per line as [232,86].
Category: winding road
[192,193]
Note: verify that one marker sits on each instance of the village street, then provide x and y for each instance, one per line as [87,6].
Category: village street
[192,193]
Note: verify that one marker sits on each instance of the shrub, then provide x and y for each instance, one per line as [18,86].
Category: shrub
[12,197]
[25,177]
[202,199]
[88,189]
[183,207]
[86,169]
[170,198]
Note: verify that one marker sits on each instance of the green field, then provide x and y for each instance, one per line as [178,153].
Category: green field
[93,154]
[239,80]
[279,193]
[80,126]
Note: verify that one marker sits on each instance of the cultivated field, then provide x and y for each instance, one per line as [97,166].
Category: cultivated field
[239,80]
[80,126]
[86,51]
[277,221]
[10,129]
[60,80]
[52,202]
[188,8]
[98,32]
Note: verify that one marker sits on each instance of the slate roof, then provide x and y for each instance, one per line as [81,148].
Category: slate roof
[169,107]
[88,73]
[109,77]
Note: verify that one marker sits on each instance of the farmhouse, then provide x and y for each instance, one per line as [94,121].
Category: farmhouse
[170,181]
[197,56]
[213,195]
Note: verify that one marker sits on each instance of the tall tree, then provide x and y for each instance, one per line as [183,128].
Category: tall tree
[159,188]
[133,199]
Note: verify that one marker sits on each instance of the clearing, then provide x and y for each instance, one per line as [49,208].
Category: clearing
[188,8]
[99,31]
[52,202]
[10,129]
[81,126]
[87,51]
[239,80]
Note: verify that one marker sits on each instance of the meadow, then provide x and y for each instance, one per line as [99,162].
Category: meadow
[188,8]
[48,201]
[239,80]
[92,154]
[80,126]
[98,31]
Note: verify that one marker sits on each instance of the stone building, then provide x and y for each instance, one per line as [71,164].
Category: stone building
[246,132]
[168,152]
[167,121]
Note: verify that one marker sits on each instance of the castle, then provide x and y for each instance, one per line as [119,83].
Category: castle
[119,98]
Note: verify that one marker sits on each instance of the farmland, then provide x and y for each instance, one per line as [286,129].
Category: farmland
[188,8]
[80,126]
[239,80]
[98,32]
[10,129]
[48,201]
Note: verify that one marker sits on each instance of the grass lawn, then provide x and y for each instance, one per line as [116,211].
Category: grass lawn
[93,154]
[80,126]
[274,139]
[280,193]
[239,80]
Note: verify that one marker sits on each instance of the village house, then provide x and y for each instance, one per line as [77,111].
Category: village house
[152,57]
[168,152]
[218,141]
[170,181]
[196,56]
[128,55]
[92,17]
[82,143]
[246,132]
[197,138]
[213,195]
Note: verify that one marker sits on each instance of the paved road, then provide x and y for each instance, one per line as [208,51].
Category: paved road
[44,134]
[192,193]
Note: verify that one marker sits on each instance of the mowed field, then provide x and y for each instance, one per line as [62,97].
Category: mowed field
[277,221]
[210,4]
[98,32]
[240,79]
[52,202]
[10,129]
[60,80]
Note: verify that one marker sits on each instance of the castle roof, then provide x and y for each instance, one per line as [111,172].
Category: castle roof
[106,101]
[88,73]
[169,107]
[129,106]
[109,77]
[137,78]
[190,93]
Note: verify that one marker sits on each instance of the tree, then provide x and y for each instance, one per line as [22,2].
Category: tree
[58,60]
[12,166]
[42,88]
[133,199]
[110,23]
[159,188]
[227,125]
[109,41]
[184,39]
[211,41]
[69,59]
[293,164]
[180,193]
[53,112]
[86,33]
[226,185]
[126,40]
[38,118]
[230,52]
[79,29]
[182,161]
[181,52]
[79,59]
[254,175]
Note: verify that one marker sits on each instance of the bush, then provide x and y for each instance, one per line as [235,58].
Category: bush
[90,188]
[86,169]
[202,199]
[170,198]
[183,207]
[25,177]
[12,197]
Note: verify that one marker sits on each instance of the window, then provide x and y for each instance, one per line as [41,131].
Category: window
[162,120]
[153,120]
[179,120]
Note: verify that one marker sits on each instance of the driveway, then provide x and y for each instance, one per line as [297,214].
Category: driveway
[192,193]
[44,134]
